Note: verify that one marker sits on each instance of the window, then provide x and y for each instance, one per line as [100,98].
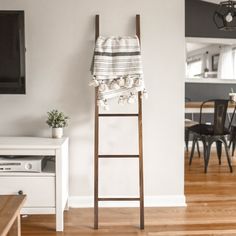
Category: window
[194,68]
[227,63]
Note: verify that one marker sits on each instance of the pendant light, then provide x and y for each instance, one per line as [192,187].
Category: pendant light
[225,16]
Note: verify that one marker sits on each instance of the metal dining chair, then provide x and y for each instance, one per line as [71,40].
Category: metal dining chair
[216,132]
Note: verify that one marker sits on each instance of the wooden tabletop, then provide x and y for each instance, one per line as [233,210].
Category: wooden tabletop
[207,105]
[10,206]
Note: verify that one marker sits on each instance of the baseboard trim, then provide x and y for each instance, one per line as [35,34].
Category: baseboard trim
[150,201]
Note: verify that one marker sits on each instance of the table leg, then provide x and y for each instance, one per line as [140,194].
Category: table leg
[62,169]
[16,228]
[59,220]
[59,191]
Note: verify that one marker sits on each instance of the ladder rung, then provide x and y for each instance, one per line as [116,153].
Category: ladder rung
[118,114]
[118,156]
[119,199]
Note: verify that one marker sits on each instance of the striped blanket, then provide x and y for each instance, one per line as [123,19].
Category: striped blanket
[117,69]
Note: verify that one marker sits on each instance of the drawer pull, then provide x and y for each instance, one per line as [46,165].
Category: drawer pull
[20,192]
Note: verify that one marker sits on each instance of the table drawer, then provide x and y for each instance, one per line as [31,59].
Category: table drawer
[40,191]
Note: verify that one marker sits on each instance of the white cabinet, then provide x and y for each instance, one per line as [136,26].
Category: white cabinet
[47,192]
[40,191]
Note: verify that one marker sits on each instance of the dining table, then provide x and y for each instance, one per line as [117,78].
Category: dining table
[194,107]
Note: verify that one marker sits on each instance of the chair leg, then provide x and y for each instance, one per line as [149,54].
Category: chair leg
[186,138]
[208,144]
[204,148]
[227,154]
[207,157]
[192,151]
[232,142]
[233,147]
[219,150]
[198,150]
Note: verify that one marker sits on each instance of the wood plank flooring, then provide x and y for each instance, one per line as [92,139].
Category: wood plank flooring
[211,210]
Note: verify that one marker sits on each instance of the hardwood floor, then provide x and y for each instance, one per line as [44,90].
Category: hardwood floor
[211,210]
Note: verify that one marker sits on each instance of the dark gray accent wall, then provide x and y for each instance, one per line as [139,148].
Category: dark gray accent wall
[199,21]
[203,91]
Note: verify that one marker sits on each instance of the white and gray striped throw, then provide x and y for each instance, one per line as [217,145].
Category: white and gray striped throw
[117,69]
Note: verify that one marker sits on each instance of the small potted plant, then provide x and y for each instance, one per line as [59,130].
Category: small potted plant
[57,120]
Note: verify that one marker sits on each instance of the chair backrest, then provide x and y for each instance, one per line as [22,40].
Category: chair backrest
[220,113]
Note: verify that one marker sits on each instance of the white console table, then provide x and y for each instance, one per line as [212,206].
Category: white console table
[47,192]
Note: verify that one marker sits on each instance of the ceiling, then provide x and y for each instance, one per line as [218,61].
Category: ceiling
[194,46]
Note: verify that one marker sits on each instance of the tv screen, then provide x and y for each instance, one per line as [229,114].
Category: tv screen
[12,52]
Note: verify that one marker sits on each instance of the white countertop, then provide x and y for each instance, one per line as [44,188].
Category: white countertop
[31,142]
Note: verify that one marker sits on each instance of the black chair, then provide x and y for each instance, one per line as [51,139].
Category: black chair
[215,132]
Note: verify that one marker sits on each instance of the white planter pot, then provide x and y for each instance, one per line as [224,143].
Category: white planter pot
[57,132]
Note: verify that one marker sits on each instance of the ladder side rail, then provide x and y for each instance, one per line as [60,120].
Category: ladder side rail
[140,134]
[96,137]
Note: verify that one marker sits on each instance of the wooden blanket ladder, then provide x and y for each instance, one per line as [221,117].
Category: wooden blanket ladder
[98,115]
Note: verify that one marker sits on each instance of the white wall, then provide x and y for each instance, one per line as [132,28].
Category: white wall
[59,40]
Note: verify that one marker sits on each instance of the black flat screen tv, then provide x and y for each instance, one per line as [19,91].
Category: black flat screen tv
[12,52]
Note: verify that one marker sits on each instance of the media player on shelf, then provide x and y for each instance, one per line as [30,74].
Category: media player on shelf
[22,164]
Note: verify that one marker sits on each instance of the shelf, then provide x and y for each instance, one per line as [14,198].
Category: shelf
[49,170]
